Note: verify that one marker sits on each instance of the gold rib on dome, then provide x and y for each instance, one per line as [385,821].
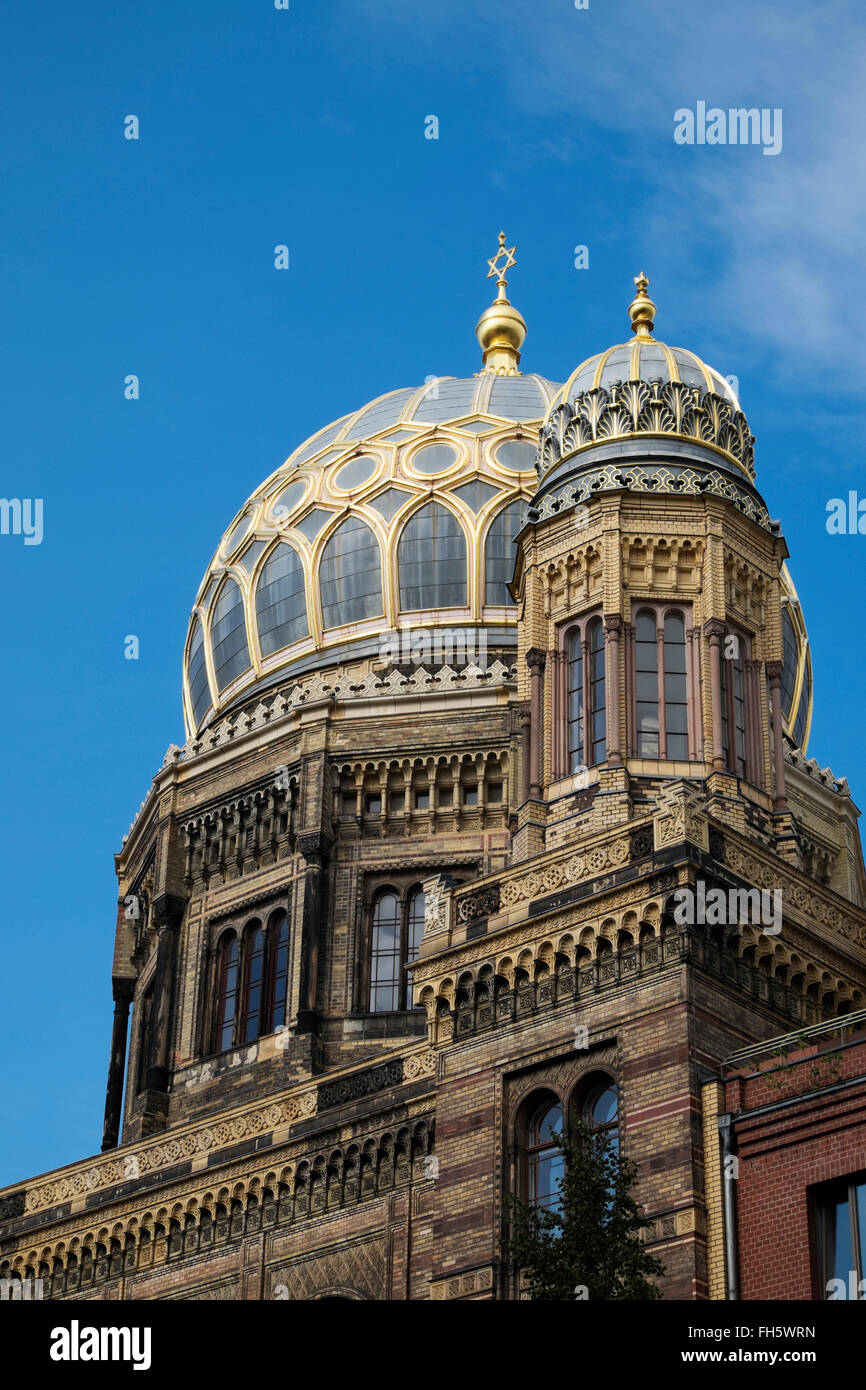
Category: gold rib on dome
[501,330]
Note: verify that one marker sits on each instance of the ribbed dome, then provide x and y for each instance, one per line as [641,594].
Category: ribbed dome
[400,514]
[644,359]
[644,390]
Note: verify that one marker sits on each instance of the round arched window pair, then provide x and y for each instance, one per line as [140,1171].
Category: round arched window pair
[545,1164]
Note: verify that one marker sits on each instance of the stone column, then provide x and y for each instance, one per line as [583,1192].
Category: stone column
[313,847]
[123,990]
[612,626]
[715,631]
[535,660]
[525,745]
[167,915]
[774,674]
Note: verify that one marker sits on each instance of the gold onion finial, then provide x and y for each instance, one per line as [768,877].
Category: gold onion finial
[501,329]
[642,311]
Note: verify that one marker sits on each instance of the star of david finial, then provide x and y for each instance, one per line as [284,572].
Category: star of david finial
[497,269]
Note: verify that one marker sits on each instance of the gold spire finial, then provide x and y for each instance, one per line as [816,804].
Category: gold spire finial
[501,329]
[642,311]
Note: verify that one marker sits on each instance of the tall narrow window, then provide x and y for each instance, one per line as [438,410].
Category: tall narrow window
[647,683]
[227,993]
[733,691]
[254,970]
[596,692]
[660,686]
[545,1162]
[278,970]
[385,958]
[415,923]
[396,931]
[586,710]
[601,1111]
[676,697]
[841,1229]
[575,700]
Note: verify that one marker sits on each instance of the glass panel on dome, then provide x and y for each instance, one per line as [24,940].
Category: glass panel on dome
[434,458]
[652,363]
[583,381]
[790,654]
[689,371]
[199,690]
[281,606]
[283,505]
[350,575]
[388,503]
[357,471]
[516,398]
[380,414]
[251,555]
[319,441]
[517,455]
[477,426]
[499,553]
[446,398]
[231,656]
[618,366]
[399,436]
[475,494]
[802,716]
[236,535]
[313,523]
[431,560]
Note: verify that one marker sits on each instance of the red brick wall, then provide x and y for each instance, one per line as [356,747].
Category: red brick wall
[815,1132]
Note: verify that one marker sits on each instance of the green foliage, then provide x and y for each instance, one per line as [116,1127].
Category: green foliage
[590,1248]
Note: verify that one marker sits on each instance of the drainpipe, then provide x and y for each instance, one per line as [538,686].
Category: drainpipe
[729,1168]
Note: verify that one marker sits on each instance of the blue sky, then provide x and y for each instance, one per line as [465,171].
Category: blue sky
[156,257]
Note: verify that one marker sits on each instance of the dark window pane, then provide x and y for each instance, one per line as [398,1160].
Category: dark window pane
[431,560]
[281,604]
[499,553]
[350,575]
[197,672]
[231,656]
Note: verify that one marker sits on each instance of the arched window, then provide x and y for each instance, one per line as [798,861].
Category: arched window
[431,560]
[254,970]
[675,688]
[231,655]
[199,690]
[660,684]
[227,992]
[499,553]
[281,604]
[545,1164]
[251,984]
[647,683]
[600,1110]
[385,955]
[397,926]
[278,971]
[350,575]
[585,654]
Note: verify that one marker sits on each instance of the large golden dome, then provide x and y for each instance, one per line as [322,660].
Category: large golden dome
[400,514]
